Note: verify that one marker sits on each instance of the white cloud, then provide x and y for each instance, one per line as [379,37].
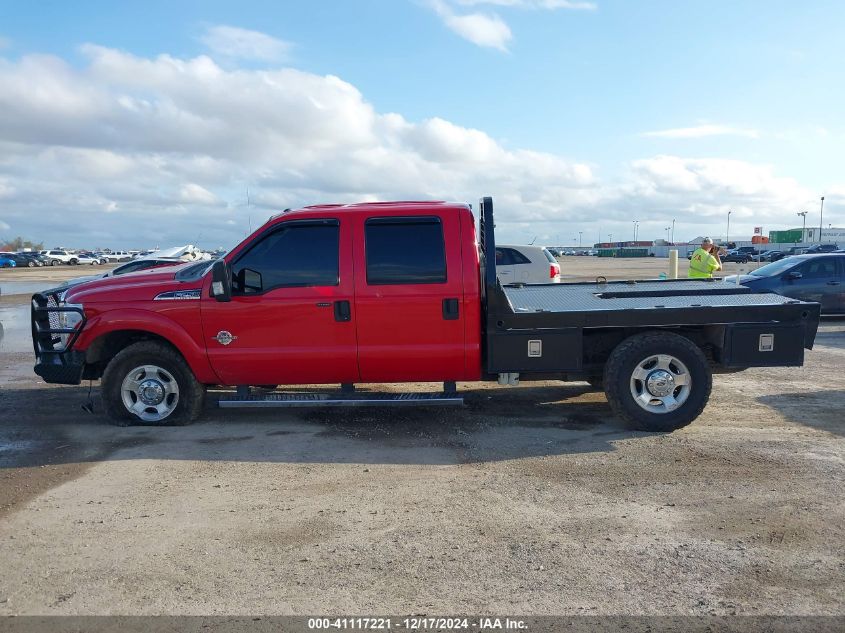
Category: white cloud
[237,43]
[482,29]
[5,42]
[194,193]
[108,152]
[702,131]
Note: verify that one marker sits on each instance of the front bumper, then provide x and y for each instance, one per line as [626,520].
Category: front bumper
[63,368]
[54,362]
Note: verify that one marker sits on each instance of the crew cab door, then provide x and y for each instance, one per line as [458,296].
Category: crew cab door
[290,320]
[819,281]
[408,297]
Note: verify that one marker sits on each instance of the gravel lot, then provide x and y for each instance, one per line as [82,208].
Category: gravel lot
[533,500]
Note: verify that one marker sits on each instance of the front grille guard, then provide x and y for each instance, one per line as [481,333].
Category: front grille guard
[45,323]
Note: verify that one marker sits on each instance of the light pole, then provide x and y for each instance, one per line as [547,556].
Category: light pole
[579,238]
[803,215]
[728,232]
[821,219]
[610,237]
[667,233]
[636,226]
[673,231]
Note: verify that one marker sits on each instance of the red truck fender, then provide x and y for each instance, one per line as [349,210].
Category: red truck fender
[192,350]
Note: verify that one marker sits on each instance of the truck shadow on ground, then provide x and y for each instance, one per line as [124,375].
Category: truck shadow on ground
[821,410]
[493,426]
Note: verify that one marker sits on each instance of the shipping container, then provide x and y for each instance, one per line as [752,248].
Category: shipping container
[792,236]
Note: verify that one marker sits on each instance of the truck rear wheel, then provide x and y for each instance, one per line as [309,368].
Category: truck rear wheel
[658,381]
[150,383]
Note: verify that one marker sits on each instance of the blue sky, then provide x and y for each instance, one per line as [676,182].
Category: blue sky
[576,115]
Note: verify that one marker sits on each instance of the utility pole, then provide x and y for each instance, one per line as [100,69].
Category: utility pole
[803,215]
[821,219]
[728,232]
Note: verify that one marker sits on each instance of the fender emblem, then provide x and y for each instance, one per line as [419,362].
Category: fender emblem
[224,338]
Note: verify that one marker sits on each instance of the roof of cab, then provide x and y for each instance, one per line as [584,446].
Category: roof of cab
[388,206]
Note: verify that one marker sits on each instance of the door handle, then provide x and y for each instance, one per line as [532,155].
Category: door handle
[342,311]
[450,309]
[832,283]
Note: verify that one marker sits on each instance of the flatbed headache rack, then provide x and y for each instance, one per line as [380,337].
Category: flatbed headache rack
[559,316]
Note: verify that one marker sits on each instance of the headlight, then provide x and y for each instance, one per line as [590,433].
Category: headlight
[68,320]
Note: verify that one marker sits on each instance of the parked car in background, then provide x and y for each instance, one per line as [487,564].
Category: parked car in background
[819,278]
[6,262]
[88,260]
[736,256]
[822,248]
[526,264]
[58,256]
[128,267]
[118,256]
[20,260]
[765,256]
[38,258]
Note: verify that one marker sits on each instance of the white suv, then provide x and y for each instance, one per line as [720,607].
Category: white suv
[526,264]
[66,257]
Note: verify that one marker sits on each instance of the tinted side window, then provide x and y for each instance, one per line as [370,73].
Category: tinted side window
[294,255]
[822,267]
[405,251]
[509,257]
[519,258]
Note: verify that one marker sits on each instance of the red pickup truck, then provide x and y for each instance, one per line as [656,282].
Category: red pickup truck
[387,292]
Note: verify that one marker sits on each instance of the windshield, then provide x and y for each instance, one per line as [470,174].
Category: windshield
[775,268]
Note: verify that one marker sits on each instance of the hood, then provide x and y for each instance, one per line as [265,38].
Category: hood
[143,285]
[80,280]
[743,279]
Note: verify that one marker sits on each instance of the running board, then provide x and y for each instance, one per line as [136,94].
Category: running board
[339,400]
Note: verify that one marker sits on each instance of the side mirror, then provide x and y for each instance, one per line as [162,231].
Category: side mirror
[794,274]
[221,281]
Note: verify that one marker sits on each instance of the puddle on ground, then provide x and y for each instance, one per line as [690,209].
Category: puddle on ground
[26,287]
[15,329]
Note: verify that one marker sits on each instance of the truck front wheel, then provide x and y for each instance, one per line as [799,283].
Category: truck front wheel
[658,381]
[150,383]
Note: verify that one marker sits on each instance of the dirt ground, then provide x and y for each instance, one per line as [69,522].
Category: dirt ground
[532,500]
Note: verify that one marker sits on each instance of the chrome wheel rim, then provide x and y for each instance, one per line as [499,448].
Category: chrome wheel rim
[660,383]
[150,392]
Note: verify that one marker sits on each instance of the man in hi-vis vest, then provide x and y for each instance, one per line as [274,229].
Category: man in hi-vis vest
[704,260]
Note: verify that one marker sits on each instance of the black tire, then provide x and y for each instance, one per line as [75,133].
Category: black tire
[73,262]
[54,262]
[31,264]
[191,392]
[619,380]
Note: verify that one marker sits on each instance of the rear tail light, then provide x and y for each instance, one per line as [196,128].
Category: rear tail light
[554,270]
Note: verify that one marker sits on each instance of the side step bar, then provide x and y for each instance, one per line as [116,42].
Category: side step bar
[271,400]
